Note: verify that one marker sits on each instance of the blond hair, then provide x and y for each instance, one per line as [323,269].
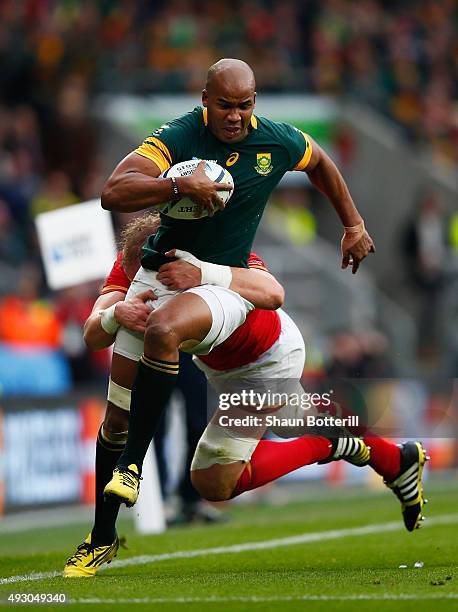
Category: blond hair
[134,236]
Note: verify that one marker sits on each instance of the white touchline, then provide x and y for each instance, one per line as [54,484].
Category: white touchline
[261,599]
[304,538]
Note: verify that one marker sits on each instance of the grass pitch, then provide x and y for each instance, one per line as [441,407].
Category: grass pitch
[329,549]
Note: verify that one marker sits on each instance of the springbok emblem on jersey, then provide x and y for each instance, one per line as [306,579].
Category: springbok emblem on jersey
[264,163]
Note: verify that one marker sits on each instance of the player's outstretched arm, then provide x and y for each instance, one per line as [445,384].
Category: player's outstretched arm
[257,286]
[135,185]
[110,312]
[323,173]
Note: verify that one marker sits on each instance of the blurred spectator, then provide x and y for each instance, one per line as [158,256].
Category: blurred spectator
[359,371]
[424,243]
[93,183]
[361,355]
[54,193]
[21,160]
[25,319]
[290,209]
[13,249]
[70,142]
[30,338]
[73,306]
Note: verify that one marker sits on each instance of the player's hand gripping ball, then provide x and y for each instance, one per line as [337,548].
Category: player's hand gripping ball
[185,208]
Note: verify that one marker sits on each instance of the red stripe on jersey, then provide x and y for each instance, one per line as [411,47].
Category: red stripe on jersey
[256,262]
[117,279]
[259,332]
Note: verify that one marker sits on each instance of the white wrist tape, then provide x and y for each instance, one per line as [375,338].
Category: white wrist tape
[108,320]
[215,274]
[212,274]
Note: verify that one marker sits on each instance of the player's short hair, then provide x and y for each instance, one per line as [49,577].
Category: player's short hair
[134,236]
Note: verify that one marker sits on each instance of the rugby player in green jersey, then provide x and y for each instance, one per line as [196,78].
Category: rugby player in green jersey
[258,152]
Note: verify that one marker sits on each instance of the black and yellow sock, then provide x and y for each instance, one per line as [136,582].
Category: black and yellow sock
[155,381]
[107,454]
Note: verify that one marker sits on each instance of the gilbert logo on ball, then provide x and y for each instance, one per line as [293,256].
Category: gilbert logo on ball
[185,208]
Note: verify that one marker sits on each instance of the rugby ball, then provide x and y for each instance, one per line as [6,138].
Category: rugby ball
[186,208]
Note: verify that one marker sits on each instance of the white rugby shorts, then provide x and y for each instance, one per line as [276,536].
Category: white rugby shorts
[228,309]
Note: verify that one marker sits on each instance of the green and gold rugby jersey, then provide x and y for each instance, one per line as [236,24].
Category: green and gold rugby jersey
[256,163]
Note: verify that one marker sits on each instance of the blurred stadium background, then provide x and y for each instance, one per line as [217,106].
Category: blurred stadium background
[373,82]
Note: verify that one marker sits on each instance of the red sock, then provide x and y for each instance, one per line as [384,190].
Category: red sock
[271,460]
[385,457]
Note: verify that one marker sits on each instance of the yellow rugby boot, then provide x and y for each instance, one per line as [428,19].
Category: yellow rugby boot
[124,485]
[88,558]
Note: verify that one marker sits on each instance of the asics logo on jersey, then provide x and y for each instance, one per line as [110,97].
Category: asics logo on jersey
[232,159]
[263,163]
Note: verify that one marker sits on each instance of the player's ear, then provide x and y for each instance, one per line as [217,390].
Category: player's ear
[204,97]
[254,99]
